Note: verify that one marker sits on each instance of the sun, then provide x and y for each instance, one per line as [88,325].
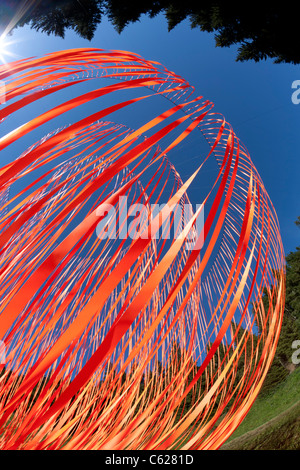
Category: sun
[4,49]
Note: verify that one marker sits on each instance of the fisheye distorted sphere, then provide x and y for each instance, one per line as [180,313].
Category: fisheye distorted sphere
[126,323]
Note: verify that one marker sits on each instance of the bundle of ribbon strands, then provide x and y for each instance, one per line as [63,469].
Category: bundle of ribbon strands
[121,328]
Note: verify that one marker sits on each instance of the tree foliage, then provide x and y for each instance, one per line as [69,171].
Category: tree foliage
[259,30]
[293,284]
[54,16]
[290,329]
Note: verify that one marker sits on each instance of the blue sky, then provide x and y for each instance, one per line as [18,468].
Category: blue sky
[254,97]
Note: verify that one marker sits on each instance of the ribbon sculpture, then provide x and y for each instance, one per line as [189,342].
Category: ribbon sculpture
[117,334]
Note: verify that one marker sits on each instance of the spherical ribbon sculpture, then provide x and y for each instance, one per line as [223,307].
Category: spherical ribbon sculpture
[125,323]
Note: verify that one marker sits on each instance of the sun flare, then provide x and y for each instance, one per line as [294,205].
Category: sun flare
[4,49]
